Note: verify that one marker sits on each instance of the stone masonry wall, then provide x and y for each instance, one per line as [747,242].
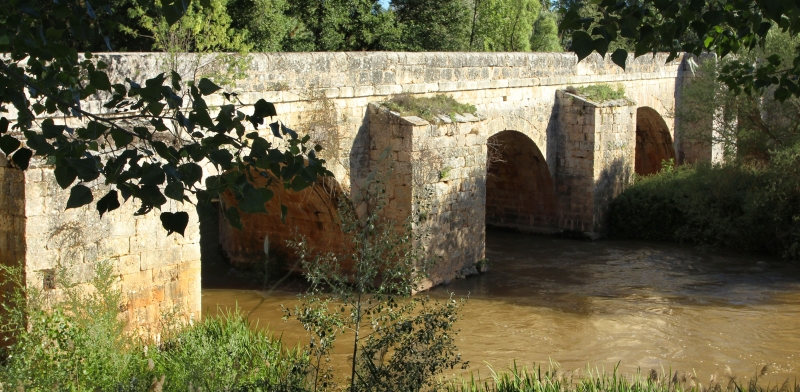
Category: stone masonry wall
[439,174]
[595,159]
[156,273]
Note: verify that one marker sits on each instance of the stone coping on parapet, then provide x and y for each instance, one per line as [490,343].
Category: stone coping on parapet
[605,104]
[419,121]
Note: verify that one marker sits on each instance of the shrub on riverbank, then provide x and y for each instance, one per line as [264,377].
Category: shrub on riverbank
[77,342]
[751,207]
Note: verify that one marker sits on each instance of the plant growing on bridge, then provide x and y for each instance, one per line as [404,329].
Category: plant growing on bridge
[598,92]
[428,108]
[151,140]
[399,343]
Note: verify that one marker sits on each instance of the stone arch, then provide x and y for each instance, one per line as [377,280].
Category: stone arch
[312,213]
[520,192]
[653,141]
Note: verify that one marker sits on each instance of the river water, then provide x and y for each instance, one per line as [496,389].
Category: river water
[640,304]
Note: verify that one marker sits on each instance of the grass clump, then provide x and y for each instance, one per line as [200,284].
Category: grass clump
[751,207]
[521,379]
[598,92]
[428,108]
[73,339]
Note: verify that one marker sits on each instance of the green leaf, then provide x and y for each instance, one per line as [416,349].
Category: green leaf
[9,144]
[173,10]
[191,173]
[65,176]
[174,191]
[176,81]
[619,57]
[3,125]
[155,108]
[79,196]
[22,158]
[108,203]
[781,94]
[206,210]
[121,138]
[207,87]
[252,201]
[232,215]
[175,222]
[264,109]
[99,80]
[582,44]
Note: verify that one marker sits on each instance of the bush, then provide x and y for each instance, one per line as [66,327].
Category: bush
[76,341]
[747,207]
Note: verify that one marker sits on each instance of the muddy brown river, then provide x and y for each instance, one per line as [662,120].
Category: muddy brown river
[640,304]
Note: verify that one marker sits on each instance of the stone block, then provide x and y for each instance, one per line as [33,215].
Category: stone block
[113,247]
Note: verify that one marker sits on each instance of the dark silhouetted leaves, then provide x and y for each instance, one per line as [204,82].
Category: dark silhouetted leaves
[175,222]
[108,203]
[207,87]
[79,196]
[22,158]
[9,144]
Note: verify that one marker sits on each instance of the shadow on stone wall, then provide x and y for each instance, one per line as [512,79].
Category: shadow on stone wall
[611,182]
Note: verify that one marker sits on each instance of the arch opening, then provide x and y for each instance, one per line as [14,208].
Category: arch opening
[520,193]
[311,214]
[653,142]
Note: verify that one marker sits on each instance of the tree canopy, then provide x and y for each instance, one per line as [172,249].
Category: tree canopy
[724,27]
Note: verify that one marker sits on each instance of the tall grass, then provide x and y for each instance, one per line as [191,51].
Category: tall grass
[73,339]
[522,379]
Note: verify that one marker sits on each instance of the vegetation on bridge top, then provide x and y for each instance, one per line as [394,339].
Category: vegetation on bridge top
[599,92]
[428,108]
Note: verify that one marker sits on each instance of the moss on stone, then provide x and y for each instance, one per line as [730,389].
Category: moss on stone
[428,107]
[599,92]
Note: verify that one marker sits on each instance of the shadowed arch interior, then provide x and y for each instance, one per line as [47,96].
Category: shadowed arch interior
[312,213]
[653,142]
[520,192]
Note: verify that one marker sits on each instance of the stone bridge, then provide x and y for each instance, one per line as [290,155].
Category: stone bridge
[535,158]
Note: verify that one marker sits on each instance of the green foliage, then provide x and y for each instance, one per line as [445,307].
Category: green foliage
[265,22]
[746,207]
[521,379]
[399,343]
[205,26]
[720,26]
[72,338]
[225,353]
[599,92]
[428,107]
[434,25]
[503,25]
[746,127]
[173,134]
[544,36]
[341,25]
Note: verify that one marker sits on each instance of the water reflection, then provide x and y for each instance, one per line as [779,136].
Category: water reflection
[645,305]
